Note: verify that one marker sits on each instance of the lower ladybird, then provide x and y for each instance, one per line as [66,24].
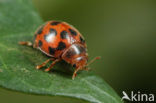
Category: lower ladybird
[61,41]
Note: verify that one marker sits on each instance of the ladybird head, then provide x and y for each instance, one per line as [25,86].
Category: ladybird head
[80,62]
[76,55]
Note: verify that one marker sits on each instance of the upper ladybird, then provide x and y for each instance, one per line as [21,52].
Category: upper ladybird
[61,41]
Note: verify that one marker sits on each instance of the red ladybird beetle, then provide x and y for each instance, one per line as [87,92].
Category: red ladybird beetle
[61,41]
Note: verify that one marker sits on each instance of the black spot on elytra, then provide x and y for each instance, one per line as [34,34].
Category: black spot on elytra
[51,50]
[40,30]
[73,32]
[74,65]
[64,34]
[39,43]
[61,46]
[53,31]
[55,22]
[82,40]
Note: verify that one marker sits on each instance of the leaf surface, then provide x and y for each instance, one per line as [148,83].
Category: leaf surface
[18,22]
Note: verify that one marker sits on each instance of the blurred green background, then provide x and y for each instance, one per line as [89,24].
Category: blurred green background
[123,33]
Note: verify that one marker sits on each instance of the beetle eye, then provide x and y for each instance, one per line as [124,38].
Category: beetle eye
[74,65]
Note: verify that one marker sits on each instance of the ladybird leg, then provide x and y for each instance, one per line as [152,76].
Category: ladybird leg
[27,43]
[74,74]
[53,63]
[44,63]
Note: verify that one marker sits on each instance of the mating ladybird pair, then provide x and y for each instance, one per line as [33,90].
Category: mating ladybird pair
[61,41]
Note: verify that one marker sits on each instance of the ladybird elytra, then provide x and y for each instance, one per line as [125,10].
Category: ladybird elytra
[61,41]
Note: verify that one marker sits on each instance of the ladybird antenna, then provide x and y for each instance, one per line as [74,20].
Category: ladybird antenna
[93,60]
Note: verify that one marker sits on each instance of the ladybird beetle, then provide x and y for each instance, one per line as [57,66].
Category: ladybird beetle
[61,41]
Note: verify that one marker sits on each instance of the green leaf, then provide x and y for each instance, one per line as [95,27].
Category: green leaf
[18,22]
